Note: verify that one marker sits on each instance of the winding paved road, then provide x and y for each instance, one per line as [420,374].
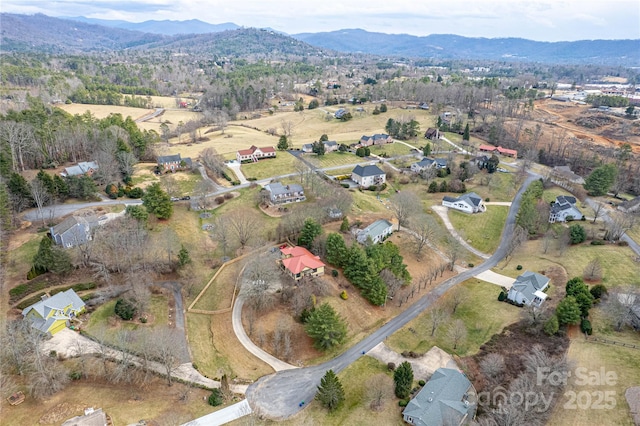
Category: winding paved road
[281,395]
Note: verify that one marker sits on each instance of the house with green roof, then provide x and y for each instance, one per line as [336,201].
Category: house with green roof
[376,232]
[448,398]
[52,314]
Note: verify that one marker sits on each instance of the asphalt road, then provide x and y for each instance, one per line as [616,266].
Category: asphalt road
[281,395]
[60,210]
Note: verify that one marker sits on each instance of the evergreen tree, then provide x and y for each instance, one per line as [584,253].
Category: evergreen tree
[568,311]
[577,234]
[356,265]
[551,326]
[465,136]
[336,250]
[157,201]
[51,258]
[183,256]
[383,107]
[47,182]
[325,327]
[310,231]
[330,392]
[344,226]
[403,379]
[137,212]
[433,187]
[375,290]
[283,143]
[324,137]
[426,151]
[601,179]
[318,148]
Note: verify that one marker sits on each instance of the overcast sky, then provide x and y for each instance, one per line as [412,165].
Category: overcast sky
[543,20]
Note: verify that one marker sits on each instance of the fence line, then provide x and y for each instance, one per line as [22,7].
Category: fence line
[612,342]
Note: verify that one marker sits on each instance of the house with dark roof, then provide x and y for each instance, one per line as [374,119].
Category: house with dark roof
[330,146]
[376,232]
[73,231]
[564,209]
[366,176]
[377,139]
[83,168]
[422,165]
[173,163]
[307,147]
[468,203]
[254,153]
[52,314]
[441,163]
[630,206]
[298,262]
[448,398]
[528,289]
[432,134]
[284,194]
[340,113]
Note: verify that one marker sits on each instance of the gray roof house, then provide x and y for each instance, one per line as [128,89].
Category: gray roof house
[52,314]
[73,231]
[441,163]
[528,289]
[91,417]
[425,163]
[173,162]
[307,147]
[468,203]
[377,232]
[82,168]
[564,209]
[330,146]
[284,194]
[448,398]
[366,176]
[630,206]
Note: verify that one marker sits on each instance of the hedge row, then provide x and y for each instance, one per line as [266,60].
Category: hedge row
[76,287]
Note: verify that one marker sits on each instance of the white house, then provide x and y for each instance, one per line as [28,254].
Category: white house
[564,209]
[254,153]
[376,232]
[424,164]
[284,194]
[528,289]
[366,176]
[468,203]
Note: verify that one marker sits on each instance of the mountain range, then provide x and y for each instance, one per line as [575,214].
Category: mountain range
[71,35]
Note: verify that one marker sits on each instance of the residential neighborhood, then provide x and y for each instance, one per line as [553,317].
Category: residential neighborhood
[368,175]
[468,203]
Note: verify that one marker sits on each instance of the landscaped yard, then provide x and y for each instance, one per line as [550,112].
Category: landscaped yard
[392,149]
[332,159]
[481,312]
[281,165]
[483,230]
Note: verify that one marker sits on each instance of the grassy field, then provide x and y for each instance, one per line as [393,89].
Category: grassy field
[20,256]
[481,312]
[332,159]
[281,165]
[125,404]
[220,292]
[618,265]
[481,231]
[102,111]
[391,150]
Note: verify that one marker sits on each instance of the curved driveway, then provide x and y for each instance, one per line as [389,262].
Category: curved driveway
[280,395]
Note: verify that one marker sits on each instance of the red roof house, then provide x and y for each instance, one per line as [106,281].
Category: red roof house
[254,153]
[298,262]
[500,150]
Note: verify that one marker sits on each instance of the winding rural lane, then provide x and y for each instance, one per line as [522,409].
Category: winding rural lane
[285,393]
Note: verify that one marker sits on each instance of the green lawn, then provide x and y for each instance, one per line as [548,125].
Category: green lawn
[203,351]
[481,312]
[500,188]
[392,150]
[619,267]
[20,259]
[340,172]
[281,165]
[483,230]
[332,159]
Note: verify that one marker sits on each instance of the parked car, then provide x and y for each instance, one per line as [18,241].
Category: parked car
[186,197]
[175,199]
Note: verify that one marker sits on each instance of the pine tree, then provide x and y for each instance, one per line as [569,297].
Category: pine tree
[157,201]
[283,143]
[325,327]
[568,311]
[310,231]
[426,151]
[344,226]
[183,256]
[336,250]
[465,136]
[330,392]
[403,379]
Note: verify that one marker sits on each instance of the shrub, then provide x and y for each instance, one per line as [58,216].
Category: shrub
[597,291]
[502,296]
[344,185]
[228,195]
[75,375]
[519,267]
[251,179]
[215,398]
[585,326]
[334,273]
[124,309]
[391,366]
[219,200]
[470,265]
[344,295]
[597,243]
[486,200]
[623,243]
[136,193]
[403,402]
[422,382]
[53,354]
[194,365]
[143,320]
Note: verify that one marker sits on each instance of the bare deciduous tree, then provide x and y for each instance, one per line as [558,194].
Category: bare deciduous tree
[458,296]
[393,283]
[165,351]
[213,161]
[243,225]
[404,205]
[40,197]
[492,366]
[457,332]
[436,316]
[593,270]
[424,229]
[379,390]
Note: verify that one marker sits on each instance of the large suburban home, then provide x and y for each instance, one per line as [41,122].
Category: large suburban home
[307,148]
[330,146]
[630,206]
[432,134]
[83,168]
[468,203]
[284,194]
[366,176]
[173,163]
[298,262]
[564,209]
[340,113]
[254,153]
[52,314]
[564,174]
[376,232]
[448,398]
[499,150]
[377,139]
[422,165]
[73,231]
[528,289]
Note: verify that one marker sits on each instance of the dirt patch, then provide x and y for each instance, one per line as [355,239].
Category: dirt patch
[60,413]
[274,211]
